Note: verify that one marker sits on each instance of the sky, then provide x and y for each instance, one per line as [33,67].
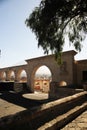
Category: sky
[17,42]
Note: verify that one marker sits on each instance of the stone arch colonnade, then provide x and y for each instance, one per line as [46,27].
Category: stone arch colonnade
[64,72]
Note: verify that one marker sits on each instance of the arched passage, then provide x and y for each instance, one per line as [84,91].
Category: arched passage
[42,77]
[3,76]
[12,76]
[62,83]
[22,76]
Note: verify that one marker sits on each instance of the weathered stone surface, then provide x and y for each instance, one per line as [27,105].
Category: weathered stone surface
[80,123]
[55,114]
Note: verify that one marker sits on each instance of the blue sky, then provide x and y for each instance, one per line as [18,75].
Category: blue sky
[17,42]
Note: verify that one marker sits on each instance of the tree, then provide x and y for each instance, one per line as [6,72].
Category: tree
[54,19]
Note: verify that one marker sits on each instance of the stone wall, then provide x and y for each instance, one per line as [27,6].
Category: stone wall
[81,66]
[69,71]
[17,87]
[57,91]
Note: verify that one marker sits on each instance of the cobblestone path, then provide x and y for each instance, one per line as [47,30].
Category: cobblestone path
[80,123]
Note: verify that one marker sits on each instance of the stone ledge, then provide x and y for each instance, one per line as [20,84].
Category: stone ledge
[62,120]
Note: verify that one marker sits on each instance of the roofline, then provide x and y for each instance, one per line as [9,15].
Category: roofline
[65,52]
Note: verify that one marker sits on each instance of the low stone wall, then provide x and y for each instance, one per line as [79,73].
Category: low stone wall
[21,87]
[57,91]
[35,118]
[17,87]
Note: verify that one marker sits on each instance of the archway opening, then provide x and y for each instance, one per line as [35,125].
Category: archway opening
[12,76]
[62,83]
[23,76]
[43,77]
[4,76]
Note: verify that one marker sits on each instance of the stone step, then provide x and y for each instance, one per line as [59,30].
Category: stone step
[62,120]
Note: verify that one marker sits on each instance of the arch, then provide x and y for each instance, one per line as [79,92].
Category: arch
[22,76]
[58,72]
[3,76]
[62,83]
[11,75]
[41,78]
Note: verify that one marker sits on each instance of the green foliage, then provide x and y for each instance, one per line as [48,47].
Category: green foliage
[54,19]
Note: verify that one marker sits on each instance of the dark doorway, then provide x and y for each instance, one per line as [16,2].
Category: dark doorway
[84,75]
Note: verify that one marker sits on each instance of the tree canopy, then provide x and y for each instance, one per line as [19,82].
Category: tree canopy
[54,19]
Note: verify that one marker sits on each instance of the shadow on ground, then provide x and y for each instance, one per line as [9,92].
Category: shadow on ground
[20,100]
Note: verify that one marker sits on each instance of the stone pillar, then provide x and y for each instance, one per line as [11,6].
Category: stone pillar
[1,76]
[53,89]
[29,82]
[7,76]
[16,76]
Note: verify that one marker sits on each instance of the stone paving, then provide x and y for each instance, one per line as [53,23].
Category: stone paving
[11,103]
[80,123]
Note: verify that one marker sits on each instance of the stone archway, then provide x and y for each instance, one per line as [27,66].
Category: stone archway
[11,75]
[3,75]
[42,76]
[22,76]
[62,83]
